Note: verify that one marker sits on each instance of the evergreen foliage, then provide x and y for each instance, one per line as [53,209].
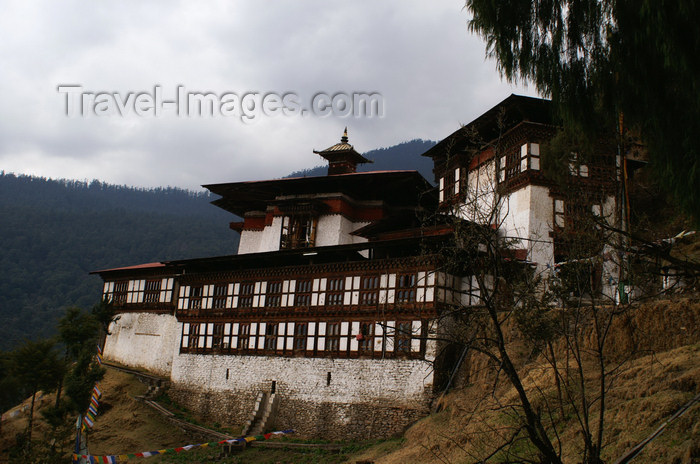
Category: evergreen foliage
[405,155]
[601,61]
[10,389]
[36,366]
[55,232]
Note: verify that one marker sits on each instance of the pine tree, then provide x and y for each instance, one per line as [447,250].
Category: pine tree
[605,61]
[36,366]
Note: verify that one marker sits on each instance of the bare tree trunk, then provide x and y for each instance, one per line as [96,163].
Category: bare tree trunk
[58,392]
[31,421]
[535,430]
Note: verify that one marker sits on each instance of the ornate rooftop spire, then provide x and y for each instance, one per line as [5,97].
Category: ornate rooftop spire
[342,157]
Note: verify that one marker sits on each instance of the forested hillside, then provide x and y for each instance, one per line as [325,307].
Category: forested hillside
[54,232]
[405,155]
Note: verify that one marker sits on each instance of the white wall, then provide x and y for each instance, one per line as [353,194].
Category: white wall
[332,229]
[515,216]
[250,241]
[541,221]
[270,239]
[335,229]
[354,381]
[480,195]
[144,340]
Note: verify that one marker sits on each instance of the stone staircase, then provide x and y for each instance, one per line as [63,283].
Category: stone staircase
[264,412]
[155,385]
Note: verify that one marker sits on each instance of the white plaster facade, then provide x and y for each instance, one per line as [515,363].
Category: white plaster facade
[480,199]
[524,216]
[144,340]
[331,229]
[335,229]
[250,241]
[527,216]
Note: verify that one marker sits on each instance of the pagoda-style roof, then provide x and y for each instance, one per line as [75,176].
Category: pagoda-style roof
[380,249]
[342,157]
[396,188]
[512,111]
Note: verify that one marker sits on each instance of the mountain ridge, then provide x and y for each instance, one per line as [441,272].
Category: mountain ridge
[55,232]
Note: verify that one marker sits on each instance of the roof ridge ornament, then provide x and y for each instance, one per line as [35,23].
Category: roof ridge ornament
[342,157]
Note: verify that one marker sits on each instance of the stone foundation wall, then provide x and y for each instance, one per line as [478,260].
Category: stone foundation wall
[360,399]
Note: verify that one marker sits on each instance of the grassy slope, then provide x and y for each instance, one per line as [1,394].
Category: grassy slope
[126,426]
[651,389]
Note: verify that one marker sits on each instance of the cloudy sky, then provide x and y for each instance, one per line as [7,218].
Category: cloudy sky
[418,55]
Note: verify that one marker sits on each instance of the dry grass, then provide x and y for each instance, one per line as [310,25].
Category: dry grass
[649,387]
[129,426]
[124,425]
[475,419]
[652,388]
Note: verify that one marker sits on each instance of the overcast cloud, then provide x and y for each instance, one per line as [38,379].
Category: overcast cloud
[419,56]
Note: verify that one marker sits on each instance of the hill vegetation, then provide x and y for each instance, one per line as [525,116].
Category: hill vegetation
[649,389]
[405,155]
[55,232]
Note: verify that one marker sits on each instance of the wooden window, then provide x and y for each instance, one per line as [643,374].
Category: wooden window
[576,168]
[273,298]
[298,232]
[193,339]
[403,337]
[559,213]
[334,291]
[271,336]
[575,213]
[519,161]
[303,293]
[195,297]
[301,330]
[502,169]
[535,156]
[451,184]
[245,296]
[369,293]
[333,337]
[120,291]
[406,288]
[243,336]
[366,338]
[152,291]
[220,295]
[217,336]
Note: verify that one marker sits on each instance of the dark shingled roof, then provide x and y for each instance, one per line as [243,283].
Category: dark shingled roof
[397,188]
[496,121]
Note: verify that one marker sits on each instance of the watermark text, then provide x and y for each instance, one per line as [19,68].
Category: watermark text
[247,106]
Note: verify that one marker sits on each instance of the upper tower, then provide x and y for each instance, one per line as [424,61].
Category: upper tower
[342,157]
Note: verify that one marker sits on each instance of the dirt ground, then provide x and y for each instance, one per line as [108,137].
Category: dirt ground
[123,425]
[646,393]
[128,426]
[650,390]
